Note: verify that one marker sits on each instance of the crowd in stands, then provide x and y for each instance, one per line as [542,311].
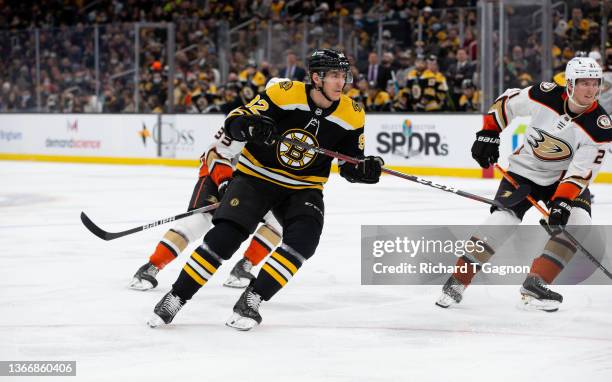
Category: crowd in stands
[428,61]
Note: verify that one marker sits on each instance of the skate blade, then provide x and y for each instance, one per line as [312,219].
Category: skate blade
[235,282]
[532,304]
[445,301]
[155,321]
[238,322]
[141,285]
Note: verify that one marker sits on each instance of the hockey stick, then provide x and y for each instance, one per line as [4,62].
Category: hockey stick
[105,235]
[545,225]
[411,178]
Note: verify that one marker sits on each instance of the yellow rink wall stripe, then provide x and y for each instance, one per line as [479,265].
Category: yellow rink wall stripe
[102,160]
[604,177]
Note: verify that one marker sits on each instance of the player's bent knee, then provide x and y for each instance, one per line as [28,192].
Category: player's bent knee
[194,226]
[302,234]
[225,238]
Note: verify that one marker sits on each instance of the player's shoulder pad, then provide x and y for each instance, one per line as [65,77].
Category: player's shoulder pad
[548,94]
[288,95]
[597,124]
[349,114]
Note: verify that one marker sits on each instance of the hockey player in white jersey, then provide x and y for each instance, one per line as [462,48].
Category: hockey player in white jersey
[565,145]
[215,174]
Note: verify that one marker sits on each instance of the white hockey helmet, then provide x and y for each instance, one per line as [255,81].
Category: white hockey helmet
[275,80]
[581,67]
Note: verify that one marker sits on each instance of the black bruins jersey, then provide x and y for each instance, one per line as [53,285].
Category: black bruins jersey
[338,128]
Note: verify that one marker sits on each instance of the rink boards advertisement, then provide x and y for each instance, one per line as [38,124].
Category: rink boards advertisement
[422,144]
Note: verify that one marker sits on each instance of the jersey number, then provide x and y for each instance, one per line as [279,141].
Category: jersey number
[600,156]
[257,104]
[226,140]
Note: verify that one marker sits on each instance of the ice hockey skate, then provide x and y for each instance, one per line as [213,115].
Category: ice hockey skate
[165,310]
[536,296]
[144,278]
[241,275]
[246,311]
[452,293]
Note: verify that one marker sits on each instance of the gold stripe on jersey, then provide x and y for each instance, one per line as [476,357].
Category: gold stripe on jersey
[249,165]
[289,95]
[269,237]
[212,158]
[497,110]
[349,114]
[194,275]
[268,269]
[292,268]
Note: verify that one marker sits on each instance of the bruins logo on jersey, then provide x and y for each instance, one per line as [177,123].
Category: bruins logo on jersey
[294,157]
[549,148]
[356,106]
[286,85]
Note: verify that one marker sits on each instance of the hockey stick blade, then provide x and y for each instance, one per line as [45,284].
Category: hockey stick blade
[106,235]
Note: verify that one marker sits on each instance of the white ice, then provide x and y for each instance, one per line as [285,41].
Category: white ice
[63,293]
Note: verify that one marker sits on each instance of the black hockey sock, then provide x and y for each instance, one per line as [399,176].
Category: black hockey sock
[277,271]
[200,267]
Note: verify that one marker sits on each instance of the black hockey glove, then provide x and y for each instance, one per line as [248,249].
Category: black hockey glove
[367,170]
[254,128]
[560,211]
[486,148]
[223,187]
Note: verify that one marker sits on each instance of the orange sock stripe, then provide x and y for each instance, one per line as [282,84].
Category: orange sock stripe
[546,268]
[256,251]
[464,278]
[162,256]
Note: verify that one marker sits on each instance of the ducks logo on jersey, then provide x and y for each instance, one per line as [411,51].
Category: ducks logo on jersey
[549,148]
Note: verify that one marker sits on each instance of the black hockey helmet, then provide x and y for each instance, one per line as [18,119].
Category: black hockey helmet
[324,60]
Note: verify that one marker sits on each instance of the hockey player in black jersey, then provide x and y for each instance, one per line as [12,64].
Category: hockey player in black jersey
[286,179]
[565,145]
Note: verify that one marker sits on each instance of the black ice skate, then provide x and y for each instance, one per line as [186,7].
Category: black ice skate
[241,275]
[536,296]
[166,309]
[144,278]
[246,311]
[452,293]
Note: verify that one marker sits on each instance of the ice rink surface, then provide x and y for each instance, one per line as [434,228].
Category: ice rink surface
[63,293]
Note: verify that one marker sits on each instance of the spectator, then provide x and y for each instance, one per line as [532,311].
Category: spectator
[377,100]
[461,70]
[292,70]
[434,86]
[470,97]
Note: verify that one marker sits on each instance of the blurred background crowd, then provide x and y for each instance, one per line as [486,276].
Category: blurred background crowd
[406,55]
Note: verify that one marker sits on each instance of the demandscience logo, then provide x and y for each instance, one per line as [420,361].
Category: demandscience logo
[10,136]
[73,144]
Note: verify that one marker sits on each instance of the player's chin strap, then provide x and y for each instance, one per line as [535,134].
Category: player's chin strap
[544,224]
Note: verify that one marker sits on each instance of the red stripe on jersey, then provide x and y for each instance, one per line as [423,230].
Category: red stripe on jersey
[220,173]
[490,123]
[567,190]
